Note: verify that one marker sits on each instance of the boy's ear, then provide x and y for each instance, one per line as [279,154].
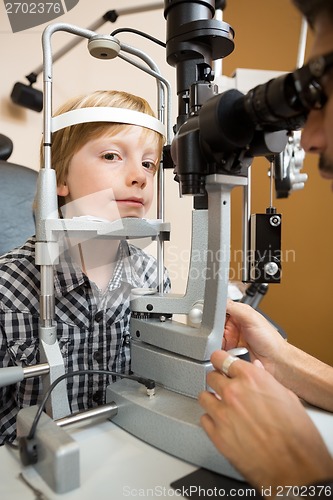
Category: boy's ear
[62,190]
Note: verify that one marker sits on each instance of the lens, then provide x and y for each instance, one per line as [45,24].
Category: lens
[313,95]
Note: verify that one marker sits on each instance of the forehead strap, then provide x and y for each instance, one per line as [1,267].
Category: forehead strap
[107,114]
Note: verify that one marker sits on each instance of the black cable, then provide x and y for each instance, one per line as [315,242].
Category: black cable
[12,444]
[140,33]
[150,384]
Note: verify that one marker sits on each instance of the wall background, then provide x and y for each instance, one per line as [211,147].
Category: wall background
[267,37]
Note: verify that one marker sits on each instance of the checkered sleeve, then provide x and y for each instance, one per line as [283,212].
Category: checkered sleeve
[19,284]
[8,403]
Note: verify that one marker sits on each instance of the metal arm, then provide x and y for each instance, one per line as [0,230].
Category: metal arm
[29,97]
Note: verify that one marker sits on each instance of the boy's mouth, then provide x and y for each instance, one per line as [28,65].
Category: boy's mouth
[135,202]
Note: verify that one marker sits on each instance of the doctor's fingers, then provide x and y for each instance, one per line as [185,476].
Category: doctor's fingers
[212,404]
[217,382]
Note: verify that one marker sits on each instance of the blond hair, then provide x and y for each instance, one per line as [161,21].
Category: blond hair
[68,141]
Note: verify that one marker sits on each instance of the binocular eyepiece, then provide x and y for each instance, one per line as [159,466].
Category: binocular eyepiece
[223,132]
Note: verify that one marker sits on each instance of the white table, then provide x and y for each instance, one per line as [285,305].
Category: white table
[116,465]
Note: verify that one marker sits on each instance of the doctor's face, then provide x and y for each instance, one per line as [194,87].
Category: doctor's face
[112,176]
[317,136]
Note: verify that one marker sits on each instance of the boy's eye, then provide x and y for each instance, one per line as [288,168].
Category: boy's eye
[111,156]
[149,165]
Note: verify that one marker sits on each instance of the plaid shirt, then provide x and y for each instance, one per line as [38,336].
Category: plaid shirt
[92,331]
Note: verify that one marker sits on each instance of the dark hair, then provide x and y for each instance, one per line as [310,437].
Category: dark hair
[311,9]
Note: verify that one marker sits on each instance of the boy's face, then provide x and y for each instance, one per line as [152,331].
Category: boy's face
[112,176]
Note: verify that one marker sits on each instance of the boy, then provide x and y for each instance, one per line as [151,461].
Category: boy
[105,170]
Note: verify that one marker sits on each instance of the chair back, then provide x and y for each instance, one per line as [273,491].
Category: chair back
[17,192]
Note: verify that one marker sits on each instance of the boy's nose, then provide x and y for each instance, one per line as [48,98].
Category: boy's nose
[136,173]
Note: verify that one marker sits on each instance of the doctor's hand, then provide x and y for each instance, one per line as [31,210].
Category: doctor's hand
[245,327]
[261,427]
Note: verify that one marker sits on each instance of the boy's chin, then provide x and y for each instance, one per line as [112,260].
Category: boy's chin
[133,214]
